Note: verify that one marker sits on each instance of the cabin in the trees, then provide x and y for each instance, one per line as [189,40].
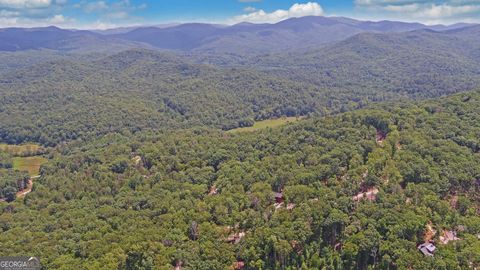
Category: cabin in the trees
[381,136]
[427,249]
[239,265]
[213,191]
[178,265]
[370,195]
[235,238]
[279,197]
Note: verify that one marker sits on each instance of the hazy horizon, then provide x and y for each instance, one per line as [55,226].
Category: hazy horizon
[109,14]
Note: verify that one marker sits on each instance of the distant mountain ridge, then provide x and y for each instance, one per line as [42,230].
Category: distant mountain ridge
[261,38]
[57,39]
[242,38]
[417,63]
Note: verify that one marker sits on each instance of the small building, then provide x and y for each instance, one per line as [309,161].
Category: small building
[178,265]
[448,236]
[427,249]
[239,265]
[213,190]
[235,238]
[370,195]
[279,197]
[380,137]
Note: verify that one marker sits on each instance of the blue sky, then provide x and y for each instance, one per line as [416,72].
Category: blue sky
[114,13]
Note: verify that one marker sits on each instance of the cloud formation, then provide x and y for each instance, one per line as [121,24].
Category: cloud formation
[430,11]
[33,13]
[296,10]
[25,3]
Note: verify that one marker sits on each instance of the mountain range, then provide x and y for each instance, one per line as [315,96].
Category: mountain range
[241,38]
[221,76]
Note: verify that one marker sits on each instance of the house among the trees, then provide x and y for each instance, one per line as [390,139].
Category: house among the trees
[279,197]
[370,195]
[448,236]
[235,238]
[380,137]
[239,265]
[213,190]
[178,265]
[428,249]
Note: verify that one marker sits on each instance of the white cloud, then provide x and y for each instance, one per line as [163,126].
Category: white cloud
[95,6]
[427,11]
[8,14]
[120,15]
[445,11]
[25,3]
[249,9]
[297,10]
[18,21]
[58,19]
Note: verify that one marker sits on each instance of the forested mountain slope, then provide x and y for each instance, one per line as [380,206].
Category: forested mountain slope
[142,89]
[139,89]
[204,199]
[420,63]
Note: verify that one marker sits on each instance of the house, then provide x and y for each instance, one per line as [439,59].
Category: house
[235,238]
[178,265]
[213,190]
[448,236]
[380,137]
[290,206]
[279,197]
[428,249]
[239,265]
[370,195]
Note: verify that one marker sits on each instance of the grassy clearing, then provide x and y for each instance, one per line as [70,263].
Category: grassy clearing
[271,123]
[30,164]
[23,150]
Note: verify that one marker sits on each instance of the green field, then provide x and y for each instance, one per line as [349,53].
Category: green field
[30,164]
[271,123]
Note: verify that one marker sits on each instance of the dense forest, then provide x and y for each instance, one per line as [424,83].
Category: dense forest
[136,90]
[11,181]
[79,98]
[359,190]
[144,148]
[421,63]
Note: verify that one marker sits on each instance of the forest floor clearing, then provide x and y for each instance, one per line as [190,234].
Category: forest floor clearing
[271,123]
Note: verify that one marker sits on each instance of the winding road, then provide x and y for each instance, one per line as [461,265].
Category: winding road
[27,190]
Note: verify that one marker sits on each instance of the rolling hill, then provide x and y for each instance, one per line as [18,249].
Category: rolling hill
[143,89]
[415,63]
